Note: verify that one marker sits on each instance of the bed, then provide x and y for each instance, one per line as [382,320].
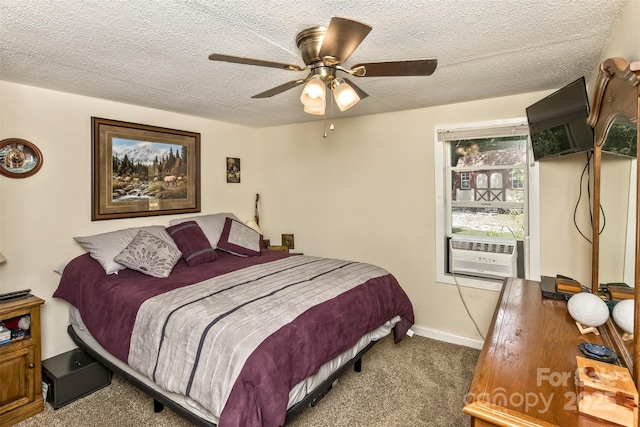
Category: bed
[224,332]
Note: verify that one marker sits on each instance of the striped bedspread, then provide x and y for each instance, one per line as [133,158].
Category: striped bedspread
[235,335]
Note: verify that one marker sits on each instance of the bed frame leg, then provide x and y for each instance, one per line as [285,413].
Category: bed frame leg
[357,366]
[157,406]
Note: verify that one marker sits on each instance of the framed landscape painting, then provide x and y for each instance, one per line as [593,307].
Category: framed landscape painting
[141,170]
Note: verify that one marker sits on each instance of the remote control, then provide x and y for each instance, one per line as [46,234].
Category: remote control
[10,296]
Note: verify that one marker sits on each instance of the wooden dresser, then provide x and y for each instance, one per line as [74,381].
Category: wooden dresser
[525,374]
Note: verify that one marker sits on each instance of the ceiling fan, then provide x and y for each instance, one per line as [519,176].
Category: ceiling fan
[324,50]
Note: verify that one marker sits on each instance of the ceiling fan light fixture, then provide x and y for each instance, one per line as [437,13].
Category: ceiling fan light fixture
[344,94]
[324,50]
[314,93]
[319,111]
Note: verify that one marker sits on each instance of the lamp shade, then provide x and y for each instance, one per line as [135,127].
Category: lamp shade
[317,111]
[314,93]
[344,94]
[2,258]
[253,224]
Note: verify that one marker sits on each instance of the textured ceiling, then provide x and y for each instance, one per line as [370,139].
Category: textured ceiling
[155,53]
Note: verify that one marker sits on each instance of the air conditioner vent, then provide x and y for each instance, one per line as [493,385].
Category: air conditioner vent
[483,257]
[483,247]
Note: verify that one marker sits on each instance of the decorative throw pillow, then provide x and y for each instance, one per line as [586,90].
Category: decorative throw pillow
[192,242]
[238,239]
[150,255]
[211,225]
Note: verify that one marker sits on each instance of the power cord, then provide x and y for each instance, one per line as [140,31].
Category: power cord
[464,303]
[586,170]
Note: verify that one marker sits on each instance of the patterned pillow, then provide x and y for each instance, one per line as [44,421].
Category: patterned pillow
[192,242]
[150,255]
[238,239]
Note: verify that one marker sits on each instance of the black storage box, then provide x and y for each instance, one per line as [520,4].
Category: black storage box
[73,375]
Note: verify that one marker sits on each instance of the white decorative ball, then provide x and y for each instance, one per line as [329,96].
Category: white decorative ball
[623,315]
[588,309]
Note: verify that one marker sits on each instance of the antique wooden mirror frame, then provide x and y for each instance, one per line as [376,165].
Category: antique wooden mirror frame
[617,93]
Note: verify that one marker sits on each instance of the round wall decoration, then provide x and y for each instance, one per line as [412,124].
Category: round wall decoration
[19,158]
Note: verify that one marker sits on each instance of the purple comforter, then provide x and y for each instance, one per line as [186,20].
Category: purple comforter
[109,304]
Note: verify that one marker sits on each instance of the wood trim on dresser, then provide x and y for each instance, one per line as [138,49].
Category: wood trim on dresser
[487,414]
[525,373]
[617,93]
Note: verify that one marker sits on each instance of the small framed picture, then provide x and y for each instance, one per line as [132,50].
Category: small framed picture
[19,158]
[287,240]
[233,170]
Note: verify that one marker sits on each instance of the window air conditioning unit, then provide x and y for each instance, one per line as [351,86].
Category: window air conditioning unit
[483,257]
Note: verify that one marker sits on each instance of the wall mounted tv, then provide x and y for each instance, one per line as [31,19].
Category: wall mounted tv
[558,122]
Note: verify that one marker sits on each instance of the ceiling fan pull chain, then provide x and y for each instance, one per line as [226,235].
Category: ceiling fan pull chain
[331,127]
[324,125]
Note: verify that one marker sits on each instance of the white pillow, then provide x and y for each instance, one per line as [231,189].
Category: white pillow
[211,225]
[105,247]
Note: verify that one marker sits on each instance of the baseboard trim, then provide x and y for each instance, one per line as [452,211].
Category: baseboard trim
[446,337]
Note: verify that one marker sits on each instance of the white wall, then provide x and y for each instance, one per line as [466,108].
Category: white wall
[626,34]
[367,193]
[40,215]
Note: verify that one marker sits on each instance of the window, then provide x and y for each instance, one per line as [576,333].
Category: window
[517,180]
[465,180]
[483,201]
[483,191]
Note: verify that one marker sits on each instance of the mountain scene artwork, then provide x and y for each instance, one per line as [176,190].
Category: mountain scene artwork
[143,170]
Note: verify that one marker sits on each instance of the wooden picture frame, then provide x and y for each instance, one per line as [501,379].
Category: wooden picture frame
[288,241]
[19,158]
[141,170]
[233,170]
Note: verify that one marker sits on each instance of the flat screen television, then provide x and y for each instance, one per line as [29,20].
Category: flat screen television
[558,123]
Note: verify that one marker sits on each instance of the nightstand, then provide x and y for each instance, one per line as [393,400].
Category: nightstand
[20,365]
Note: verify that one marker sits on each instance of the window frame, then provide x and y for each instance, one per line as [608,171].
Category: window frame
[531,241]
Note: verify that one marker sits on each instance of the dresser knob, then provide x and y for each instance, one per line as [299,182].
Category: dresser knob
[31,365]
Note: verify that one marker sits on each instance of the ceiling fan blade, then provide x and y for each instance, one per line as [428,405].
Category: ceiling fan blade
[252,61]
[420,67]
[362,94]
[343,36]
[279,89]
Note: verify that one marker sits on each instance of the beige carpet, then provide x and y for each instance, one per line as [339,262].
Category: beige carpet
[418,382]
